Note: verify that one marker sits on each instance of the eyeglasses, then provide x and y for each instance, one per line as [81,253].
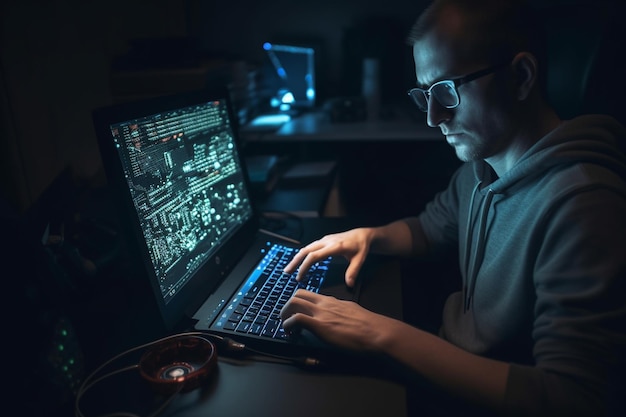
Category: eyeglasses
[445,91]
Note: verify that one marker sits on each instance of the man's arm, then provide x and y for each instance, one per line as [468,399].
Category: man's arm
[478,379]
[399,238]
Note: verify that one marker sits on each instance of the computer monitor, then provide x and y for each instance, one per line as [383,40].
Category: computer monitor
[288,77]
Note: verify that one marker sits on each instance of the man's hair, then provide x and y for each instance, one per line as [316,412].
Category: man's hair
[493,30]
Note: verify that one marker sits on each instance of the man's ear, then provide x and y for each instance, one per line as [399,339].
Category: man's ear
[526,73]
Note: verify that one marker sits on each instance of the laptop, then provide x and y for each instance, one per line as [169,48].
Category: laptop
[175,165]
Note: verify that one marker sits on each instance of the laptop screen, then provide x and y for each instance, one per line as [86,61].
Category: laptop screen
[177,163]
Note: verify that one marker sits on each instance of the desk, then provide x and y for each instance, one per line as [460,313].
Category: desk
[244,391]
[304,201]
[304,196]
[387,168]
[317,126]
[252,388]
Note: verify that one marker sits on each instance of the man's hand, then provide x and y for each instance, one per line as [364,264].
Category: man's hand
[354,245]
[338,322]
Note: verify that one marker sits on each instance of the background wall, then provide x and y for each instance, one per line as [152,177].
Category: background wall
[342,29]
[56,58]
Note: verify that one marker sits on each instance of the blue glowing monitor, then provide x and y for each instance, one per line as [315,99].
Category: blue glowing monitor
[289,76]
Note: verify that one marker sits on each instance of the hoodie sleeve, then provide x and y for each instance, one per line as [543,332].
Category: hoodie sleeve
[580,311]
[440,218]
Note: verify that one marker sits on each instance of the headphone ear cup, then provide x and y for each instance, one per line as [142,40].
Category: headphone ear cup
[182,363]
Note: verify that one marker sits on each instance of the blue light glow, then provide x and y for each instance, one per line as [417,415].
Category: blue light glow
[288,97]
[271,120]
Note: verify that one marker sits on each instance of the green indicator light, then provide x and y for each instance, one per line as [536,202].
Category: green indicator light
[61,347]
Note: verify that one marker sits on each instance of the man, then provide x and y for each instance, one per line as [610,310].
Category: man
[537,214]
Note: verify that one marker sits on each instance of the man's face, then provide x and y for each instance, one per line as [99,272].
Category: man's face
[480,127]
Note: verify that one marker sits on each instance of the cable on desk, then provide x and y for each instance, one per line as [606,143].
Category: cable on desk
[227,345]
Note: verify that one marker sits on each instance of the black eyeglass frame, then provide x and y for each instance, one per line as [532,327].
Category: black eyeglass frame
[454,83]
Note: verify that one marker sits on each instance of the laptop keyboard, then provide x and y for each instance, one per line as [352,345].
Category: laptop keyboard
[256,307]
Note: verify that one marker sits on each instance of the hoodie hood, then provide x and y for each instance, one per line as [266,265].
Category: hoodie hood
[590,139]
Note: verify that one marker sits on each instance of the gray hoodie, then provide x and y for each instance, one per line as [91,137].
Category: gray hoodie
[542,253]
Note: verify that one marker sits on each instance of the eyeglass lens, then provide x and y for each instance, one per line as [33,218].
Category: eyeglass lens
[444,92]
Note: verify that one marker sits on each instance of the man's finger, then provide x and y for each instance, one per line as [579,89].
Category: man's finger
[299,256]
[300,302]
[353,269]
[310,296]
[299,321]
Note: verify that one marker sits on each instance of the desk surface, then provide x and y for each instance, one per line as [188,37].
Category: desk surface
[250,387]
[317,126]
[263,389]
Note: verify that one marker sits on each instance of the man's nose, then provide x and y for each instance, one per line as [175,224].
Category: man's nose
[437,113]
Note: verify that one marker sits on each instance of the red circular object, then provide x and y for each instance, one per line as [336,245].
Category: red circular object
[179,364]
